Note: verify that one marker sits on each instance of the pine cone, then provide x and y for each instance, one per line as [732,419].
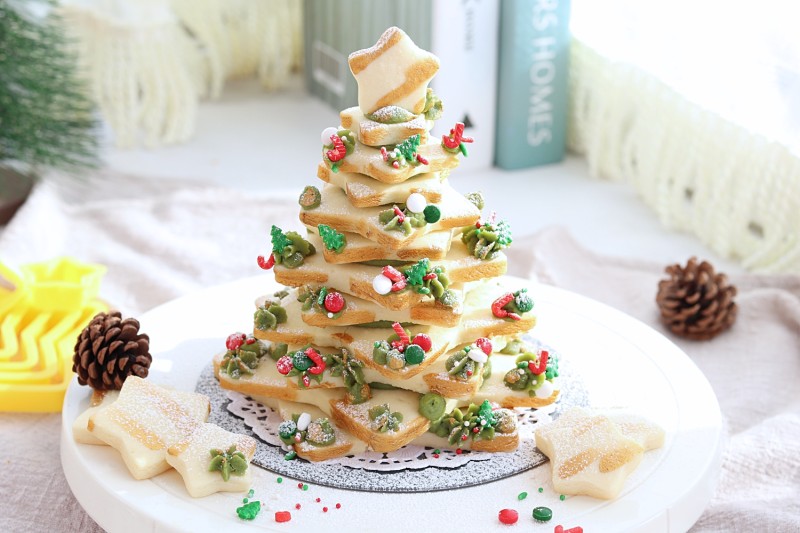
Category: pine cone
[695,302]
[109,350]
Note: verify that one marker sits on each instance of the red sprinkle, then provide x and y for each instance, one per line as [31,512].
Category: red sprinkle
[400,216]
[299,485]
[324,509]
[338,505]
[306,381]
[399,286]
[318,500]
[422,159]
[392,273]
[423,341]
[234,341]
[459,451]
[266,264]
[283,516]
[436,456]
[476,429]
[431,275]
[463,437]
[508,516]
[297,506]
[251,340]
[334,302]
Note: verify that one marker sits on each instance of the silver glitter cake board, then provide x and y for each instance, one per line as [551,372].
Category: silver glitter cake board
[410,469]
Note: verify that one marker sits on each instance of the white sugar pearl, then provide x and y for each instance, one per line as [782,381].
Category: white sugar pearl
[477,355]
[382,284]
[545,391]
[303,421]
[330,315]
[326,134]
[416,203]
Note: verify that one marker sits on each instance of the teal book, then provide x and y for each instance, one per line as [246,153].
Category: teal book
[532,83]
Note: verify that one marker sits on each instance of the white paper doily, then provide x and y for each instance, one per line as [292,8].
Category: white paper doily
[264,421]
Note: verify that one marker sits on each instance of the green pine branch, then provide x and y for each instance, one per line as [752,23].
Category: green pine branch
[46,117]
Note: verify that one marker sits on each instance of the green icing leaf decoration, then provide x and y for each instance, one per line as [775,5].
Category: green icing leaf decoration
[351,371]
[332,239]
[433,106]
[383,419]
[243,360]
[486,241]
[391,114]
[228,462]
[458,425]
[290,249]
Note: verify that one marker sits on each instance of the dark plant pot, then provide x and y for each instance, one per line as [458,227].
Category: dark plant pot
[14,190]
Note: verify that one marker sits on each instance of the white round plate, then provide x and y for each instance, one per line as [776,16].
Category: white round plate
[623,363]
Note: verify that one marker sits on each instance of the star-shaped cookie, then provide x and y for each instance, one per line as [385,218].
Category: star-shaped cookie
[394,71]
[589,454]
[146,420]
[192,458]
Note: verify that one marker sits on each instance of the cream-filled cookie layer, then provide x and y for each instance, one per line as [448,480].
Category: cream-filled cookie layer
[356,279]
[335,211]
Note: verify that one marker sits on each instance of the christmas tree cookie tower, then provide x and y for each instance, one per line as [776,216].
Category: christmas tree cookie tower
[396,326]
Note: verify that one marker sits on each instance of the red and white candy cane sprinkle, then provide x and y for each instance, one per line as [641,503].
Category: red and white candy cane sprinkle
[497,307]
[401,333]
[266,264]
[338,152]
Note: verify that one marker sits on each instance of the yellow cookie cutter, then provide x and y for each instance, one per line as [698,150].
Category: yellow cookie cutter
[42,313]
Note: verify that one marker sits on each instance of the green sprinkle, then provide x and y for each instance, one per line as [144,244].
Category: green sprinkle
[245,500]
[250,493]
[541,490]
[542,514]
[437,450]
[280,480]
[305,487]
[562,497]
[522,495]
[291,455]
[249,511]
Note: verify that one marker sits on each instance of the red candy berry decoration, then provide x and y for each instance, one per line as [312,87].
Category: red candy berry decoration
[235,341]
[284,364]
[508,516]
[334,302]
[485,345]
[423,341]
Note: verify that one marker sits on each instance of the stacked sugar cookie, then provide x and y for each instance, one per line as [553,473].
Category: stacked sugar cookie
[397,325]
